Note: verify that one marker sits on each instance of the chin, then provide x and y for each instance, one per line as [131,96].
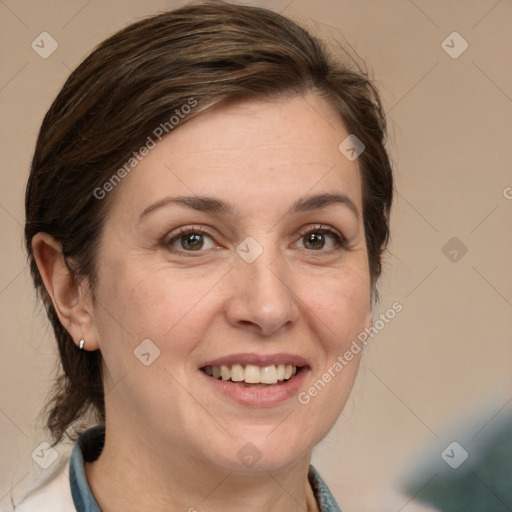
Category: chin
[267,450]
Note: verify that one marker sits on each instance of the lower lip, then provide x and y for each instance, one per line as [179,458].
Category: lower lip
[259,397]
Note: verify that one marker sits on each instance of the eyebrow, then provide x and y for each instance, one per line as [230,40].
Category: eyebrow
[216,206]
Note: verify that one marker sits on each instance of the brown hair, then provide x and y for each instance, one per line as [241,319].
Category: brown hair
[133,82]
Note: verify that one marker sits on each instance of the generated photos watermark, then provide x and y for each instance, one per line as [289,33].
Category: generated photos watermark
[157,135]
[454,455]
[354,349]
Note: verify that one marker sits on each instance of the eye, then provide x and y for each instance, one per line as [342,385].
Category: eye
[318,237]
[190,239]
[195,239]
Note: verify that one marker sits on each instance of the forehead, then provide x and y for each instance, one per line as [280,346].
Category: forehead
[248,151]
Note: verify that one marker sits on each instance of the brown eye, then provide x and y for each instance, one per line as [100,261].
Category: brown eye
[192,241]
[189,240]
[321,238]
[314,240]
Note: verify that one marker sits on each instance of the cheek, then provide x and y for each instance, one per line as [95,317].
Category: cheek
[149,301]
[338,311]
[341,305]
[172,309]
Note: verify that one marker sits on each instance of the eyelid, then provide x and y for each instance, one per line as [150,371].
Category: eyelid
[320,227]
[184,230]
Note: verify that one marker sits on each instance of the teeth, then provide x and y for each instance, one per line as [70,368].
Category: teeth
[237,373]
[268,374]
[252,374]
[224,372]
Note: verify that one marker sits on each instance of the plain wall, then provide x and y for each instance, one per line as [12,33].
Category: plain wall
[450,141]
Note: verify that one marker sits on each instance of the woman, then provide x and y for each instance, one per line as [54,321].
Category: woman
[207,209]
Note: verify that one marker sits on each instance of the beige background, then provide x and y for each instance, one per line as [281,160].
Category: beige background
[450,139]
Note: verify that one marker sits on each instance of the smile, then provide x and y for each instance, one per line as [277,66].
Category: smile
[251,375]
[255,380]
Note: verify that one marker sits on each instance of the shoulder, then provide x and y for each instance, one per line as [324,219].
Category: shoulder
[48,490]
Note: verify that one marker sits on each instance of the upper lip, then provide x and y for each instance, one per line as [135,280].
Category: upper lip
[257,359]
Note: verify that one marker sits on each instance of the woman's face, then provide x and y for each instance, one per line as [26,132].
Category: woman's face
[259,280]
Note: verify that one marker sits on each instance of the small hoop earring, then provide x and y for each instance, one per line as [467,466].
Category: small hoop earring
[82,342]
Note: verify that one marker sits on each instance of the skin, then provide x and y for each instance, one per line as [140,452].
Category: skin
[167,432]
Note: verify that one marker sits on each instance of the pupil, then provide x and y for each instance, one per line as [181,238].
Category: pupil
[314,238]
[191,241]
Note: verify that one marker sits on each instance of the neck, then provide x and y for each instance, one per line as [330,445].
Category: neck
[134,474]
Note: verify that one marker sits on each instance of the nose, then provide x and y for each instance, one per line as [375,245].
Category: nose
[262,298]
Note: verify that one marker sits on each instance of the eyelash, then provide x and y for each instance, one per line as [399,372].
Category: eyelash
[340,240]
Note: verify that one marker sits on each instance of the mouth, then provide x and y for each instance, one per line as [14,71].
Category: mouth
[256,379]
[253,376]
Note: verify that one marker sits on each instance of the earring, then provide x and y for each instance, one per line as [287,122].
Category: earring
[82,341]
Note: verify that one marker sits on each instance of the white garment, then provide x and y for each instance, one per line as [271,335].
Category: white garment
[52,493]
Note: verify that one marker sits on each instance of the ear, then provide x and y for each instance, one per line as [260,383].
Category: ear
[71,298]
